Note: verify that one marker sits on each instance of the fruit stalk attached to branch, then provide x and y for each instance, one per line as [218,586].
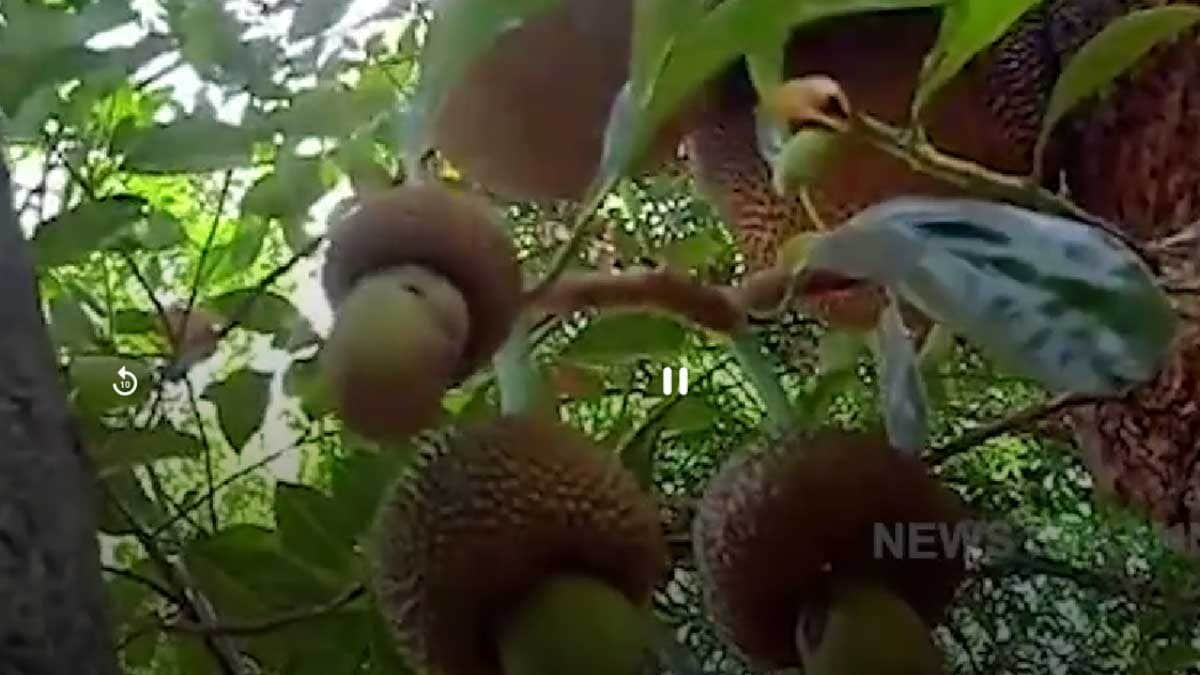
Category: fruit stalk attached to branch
[787,547]
[425,287]
[520,548]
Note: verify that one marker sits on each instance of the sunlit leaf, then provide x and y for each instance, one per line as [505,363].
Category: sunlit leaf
[241,401]
[1057,300]
[696,52]
[616,338]
[1109,54]
[968,27]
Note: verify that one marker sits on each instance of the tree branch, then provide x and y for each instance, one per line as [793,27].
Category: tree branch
[272,624]
[1015,422]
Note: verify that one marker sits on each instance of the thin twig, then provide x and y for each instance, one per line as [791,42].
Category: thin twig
[272,624]
[227,655]
[200,501]
[1015,422]
[194,404]
[208,242]
[240,314]
[146,581]
[979,180]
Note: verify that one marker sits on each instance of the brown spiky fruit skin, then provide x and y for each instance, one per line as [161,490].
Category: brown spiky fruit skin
[450,234]
[529,117]
[478,524]
[1133,157]
[775,530]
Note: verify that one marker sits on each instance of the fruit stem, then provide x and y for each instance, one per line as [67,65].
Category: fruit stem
[516,375]
[746,350]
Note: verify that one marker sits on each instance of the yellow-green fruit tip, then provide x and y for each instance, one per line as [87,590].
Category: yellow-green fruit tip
[395,344]
[577,625]
[867,629]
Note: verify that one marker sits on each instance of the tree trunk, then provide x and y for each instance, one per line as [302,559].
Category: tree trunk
[52,615]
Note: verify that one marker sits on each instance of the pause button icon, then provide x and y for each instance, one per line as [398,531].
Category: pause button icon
[669,381]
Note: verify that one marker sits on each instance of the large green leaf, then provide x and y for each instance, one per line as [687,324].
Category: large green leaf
[621,337]
[461,31]
[1109,54]
[133,447]
[311,526]
[122,494]
[90,226]
[241,401]
[1057,300]
[684,59]
[189,145]
[968,27]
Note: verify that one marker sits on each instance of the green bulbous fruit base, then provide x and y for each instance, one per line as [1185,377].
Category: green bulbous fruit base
[865,629]
[395,345]
[577,625]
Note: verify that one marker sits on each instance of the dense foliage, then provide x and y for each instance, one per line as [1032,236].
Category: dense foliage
[175,157]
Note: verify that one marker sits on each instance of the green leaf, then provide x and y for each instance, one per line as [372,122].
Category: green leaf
[190,145]
[238,255]
[248,575]
[241,401]
[1055,299]
[304,380]
[690,415]
[968,27]
[1176,658]
[1109,54]
[290,190]
[260,311]
[359,483]
[123,487]
[695,53]
[70,324]
[128,448]
[693,252]
[312,527]
[902,391]
[92,379]
[621,338]
[385,658]
[461,31]
[91,226]
[839,351]
[316,16]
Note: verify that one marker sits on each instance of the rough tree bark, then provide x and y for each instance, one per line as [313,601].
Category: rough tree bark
[52,615]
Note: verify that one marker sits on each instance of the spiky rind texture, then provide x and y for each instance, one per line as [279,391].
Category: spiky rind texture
[451,234]
[775,529]
[480,522]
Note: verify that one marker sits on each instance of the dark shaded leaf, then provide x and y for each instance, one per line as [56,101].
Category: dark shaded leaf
[241,401]
[127,448]
[189,145]
[93,225]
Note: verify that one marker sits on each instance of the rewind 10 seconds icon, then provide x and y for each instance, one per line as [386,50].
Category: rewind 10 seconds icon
[669,381]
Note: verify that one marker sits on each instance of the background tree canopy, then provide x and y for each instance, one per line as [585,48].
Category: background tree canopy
[175,167]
